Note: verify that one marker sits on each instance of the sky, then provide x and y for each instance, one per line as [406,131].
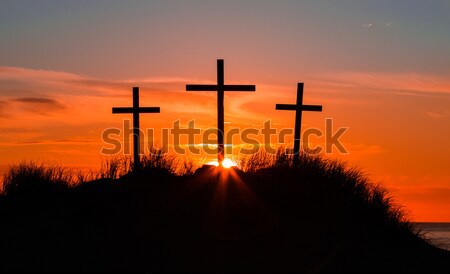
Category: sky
[380,68]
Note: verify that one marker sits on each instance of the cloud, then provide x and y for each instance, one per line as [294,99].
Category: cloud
[377,25]
[86,103]
[22,82]
[408,84]
[365,149]
[436,115]
[46,101]
[38,83]
[43,106]
[44,92]
[58,141]
[62,87]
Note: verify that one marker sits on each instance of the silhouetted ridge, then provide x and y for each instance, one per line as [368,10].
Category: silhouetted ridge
[314,215]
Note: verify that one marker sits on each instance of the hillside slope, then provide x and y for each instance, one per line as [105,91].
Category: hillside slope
[319,216]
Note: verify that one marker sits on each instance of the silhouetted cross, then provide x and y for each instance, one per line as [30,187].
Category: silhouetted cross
[299,108]
[136,110]
[220,88]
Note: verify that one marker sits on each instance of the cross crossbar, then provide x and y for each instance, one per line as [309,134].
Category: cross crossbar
[223,87]
[118,110]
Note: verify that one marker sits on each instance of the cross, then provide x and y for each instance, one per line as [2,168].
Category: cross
[220,87]
[136,110]
[299,108]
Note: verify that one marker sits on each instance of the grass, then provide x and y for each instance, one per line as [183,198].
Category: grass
[274,214]
[339,176]
[33,177]
[36,178]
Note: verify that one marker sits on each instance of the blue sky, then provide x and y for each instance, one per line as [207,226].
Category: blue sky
[141,38]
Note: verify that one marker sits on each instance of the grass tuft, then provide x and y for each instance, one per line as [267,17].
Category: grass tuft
[33,178]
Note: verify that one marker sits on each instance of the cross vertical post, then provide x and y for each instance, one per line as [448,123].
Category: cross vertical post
[136,129]
[220,112]
[298,119]
[299,108]
[220,88]
[136,110]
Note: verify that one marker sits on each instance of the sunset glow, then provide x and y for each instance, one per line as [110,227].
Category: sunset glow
[227,163]
[379,69]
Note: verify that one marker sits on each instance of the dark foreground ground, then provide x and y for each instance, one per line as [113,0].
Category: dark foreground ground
[275,219]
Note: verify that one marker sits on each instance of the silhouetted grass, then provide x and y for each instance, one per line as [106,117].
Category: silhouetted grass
[277,213]
[31,177]
[336,174]
[155,160]
[82,177]
[187,166]
[158,160]
[254,162]
[115,167]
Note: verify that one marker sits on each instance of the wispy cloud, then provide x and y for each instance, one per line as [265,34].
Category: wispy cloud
[377,25]
[411,84]
[59,141]
[42,91]
[37,101]
[31,82]
[86,104]
[436,115]
[43,106]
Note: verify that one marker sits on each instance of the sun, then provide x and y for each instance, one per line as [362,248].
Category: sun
[227,163]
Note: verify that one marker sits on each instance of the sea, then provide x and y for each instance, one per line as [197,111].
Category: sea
[437,234]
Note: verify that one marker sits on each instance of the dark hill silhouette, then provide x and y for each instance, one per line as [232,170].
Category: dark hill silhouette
[317,216]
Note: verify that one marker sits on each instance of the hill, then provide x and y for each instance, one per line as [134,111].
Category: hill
[316,215]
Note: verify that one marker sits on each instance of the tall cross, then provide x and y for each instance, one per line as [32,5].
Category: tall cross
[136,110]
[220,87]
[299,108]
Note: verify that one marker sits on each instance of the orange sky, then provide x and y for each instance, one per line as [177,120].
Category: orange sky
[397,137]
[379,68]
